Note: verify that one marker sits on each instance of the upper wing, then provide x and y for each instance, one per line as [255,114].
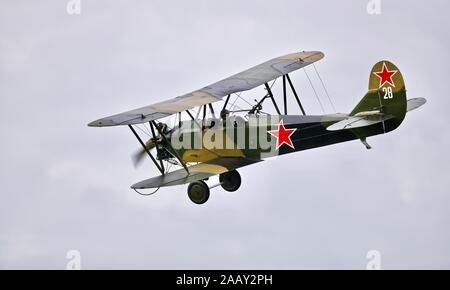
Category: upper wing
[196,172]
[243,81]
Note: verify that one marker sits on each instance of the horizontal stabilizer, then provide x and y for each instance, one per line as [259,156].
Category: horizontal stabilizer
[353,122]
[413,104]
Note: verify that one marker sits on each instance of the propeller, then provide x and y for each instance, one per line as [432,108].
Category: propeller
[139,155]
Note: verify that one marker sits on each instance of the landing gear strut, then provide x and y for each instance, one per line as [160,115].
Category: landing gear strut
[230,181]
[198,192]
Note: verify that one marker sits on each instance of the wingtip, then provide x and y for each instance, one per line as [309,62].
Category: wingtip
[101,123]
[315,55]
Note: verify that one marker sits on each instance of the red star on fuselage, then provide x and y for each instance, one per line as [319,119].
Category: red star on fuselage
[283,135]
[385,75]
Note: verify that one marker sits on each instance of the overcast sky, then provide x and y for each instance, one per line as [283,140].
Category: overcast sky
[65,186]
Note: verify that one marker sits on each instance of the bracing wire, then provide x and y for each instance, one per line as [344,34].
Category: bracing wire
[315,92]
[137,126]
[239,96]
[324,88]
[233,104]
[273,83]
[198,112]
[147,127]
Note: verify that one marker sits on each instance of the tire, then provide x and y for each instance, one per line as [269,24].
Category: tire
[230,181]
[198,192]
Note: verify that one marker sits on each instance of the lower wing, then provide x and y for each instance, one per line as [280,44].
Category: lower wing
[196,172]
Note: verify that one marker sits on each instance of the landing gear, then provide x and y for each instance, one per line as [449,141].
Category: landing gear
[230,181]
[198,192]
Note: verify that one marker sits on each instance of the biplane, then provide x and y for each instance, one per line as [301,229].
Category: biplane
[205,141]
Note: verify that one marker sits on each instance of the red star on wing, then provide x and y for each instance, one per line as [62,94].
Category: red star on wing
[283,135]
[385,75]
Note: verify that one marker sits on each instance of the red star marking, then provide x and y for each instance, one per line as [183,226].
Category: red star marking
[385,75]
[283,135]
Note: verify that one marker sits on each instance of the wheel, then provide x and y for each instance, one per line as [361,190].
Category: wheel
[198,192]
[230,181]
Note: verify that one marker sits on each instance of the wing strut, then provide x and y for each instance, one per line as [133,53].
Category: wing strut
[190,115]
[284,95]
[269,91]
[146,150]
[269,94]
[211,109]
[226,103]
[295,94]
[156,145]
[204,112]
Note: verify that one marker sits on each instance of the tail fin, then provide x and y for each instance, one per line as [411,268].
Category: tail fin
[386,95]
